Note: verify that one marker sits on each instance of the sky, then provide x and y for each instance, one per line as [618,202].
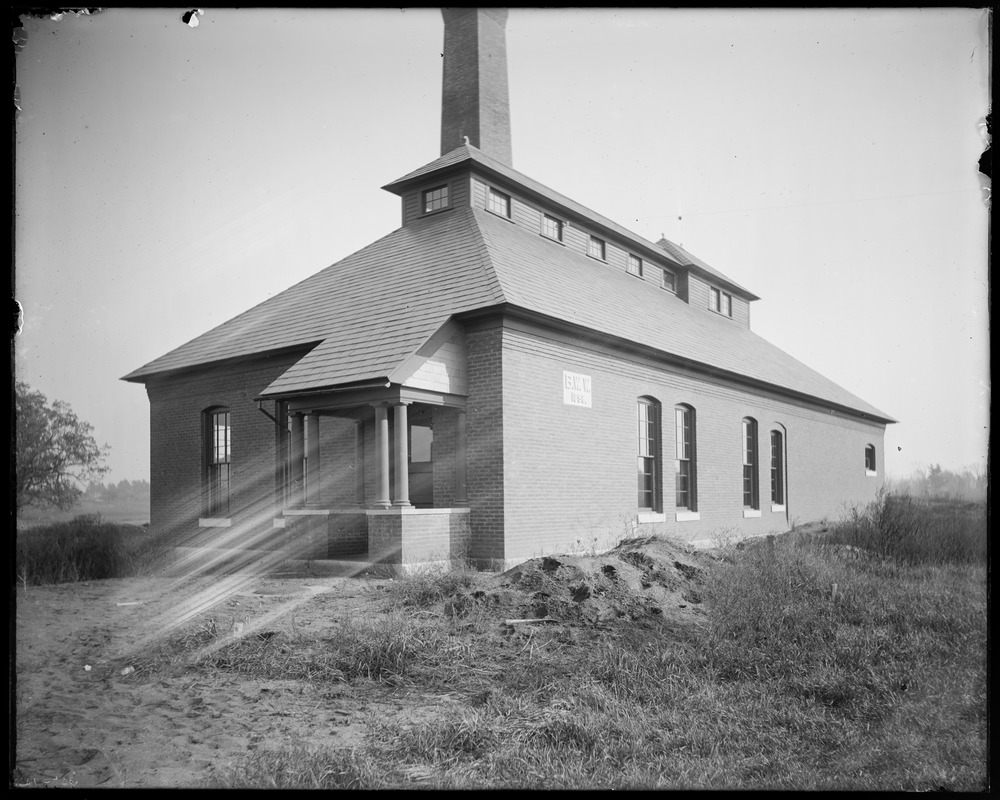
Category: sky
[169,177]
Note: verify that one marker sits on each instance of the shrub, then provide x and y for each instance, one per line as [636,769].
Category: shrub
[917,531]
[86,548]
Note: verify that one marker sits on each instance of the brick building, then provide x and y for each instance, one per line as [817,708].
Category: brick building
[506,374]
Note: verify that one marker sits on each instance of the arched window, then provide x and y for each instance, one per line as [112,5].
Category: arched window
[870,459]
[751,498]
[685,459]
[777,468]
[218,453]
[649,471]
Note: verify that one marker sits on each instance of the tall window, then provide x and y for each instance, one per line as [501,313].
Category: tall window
[870,458]
[634,265]
[217,460]
[596,248]
[648,429]
[435,198]
[777,468]
[552,227]
[750,464]
[685,458]
[499,203]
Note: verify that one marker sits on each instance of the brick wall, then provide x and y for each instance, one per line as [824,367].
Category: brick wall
[485,457]
[177,447]
[571,471]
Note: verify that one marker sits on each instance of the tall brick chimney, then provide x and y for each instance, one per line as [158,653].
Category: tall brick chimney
[475,101]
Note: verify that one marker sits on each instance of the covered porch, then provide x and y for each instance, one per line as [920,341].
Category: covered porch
[376,473]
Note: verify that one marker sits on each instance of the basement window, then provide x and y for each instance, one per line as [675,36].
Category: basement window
[596,248]
[499,203]
[435,199]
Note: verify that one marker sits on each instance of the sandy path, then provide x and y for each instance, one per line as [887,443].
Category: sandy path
[97,727]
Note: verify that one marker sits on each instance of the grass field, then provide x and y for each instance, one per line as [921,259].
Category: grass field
[855,659]
[132,512]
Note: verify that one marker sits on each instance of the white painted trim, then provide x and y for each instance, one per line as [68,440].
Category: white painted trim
[870,473]
[410,510]
[749,513]
[688,516]
[776,507]
[214,522]
[650,516]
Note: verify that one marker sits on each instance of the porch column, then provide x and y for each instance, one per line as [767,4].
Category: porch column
[402,456]
[359,462]
[382,456]
[296,494]
[460,461]
[312,458]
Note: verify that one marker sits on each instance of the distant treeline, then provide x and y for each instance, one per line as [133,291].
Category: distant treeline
[125,491]
[933,481]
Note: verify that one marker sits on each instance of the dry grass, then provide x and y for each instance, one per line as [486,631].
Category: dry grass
[760,677]
[787,685]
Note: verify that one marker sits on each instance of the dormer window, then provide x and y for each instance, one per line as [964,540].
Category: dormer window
[552,227]
[499,203]
[669,281]
[596,248]
[720,302]
[435,199]
[634,265]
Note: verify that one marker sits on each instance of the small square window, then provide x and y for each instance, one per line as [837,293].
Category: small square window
[499,203]
[552,227]
[435,199]
[720,302]
[669,281]
[596,248]
[634,265]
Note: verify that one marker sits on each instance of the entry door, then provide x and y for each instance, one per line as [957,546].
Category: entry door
[421,465]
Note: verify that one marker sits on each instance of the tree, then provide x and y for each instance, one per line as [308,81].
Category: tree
[55,452]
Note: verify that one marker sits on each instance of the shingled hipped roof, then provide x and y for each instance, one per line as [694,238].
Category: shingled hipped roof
[367,314]
[467,155]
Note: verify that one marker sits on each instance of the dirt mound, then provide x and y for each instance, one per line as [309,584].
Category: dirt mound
[639,579]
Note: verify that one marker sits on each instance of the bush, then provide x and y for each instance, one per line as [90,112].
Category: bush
[84,549]
[917,531]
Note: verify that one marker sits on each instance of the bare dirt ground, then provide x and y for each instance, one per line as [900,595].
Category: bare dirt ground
[94,708]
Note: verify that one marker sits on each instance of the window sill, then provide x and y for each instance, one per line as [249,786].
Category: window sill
[597,258]
[634,275]
[870,473]
[552,239]
[688,516]
[650,516]
[214,522]
[749,513]
[777,506]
